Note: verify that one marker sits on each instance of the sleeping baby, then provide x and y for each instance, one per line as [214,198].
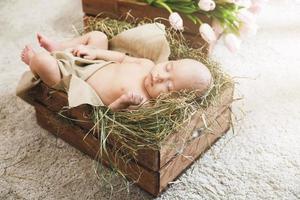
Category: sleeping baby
[84,66]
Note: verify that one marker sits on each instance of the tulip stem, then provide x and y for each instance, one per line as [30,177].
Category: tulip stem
[199,20]
[164,5]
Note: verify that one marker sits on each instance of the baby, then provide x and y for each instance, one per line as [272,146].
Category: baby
[125,81]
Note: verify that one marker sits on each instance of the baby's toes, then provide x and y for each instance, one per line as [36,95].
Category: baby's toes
[22,54]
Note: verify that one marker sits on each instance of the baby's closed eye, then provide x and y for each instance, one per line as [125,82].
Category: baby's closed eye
[169,66]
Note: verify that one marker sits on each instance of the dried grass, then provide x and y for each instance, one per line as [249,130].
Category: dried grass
[148,126]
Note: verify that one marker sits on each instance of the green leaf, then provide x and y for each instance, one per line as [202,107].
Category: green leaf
[192,18]
[149,1]
[162,5]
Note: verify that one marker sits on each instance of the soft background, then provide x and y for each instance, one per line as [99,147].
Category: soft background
[260,161]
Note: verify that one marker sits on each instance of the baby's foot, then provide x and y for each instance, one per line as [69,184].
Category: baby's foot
[47,43]
[27,54]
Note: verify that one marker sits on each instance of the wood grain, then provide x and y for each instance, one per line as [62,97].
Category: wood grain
[124,9]
[148,158]
[193,149]
[72,134]
[94,7]
[210,114]
[152,182]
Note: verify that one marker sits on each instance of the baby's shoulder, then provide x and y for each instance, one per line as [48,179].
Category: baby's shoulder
[146,62]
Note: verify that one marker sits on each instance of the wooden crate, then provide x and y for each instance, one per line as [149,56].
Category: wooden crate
[118,9]
[154,169]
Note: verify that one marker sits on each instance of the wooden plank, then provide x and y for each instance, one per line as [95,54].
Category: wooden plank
[141,10]
[194,149]
[178,139]
[123,9]
[55,100]
[152,182]
[72,134]
[137,10]
[151,159]
[94,7]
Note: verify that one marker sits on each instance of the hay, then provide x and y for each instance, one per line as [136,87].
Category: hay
[148,126]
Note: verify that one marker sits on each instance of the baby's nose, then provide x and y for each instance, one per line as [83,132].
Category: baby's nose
[158,78]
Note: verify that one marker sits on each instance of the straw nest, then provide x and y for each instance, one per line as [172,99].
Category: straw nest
[149,125]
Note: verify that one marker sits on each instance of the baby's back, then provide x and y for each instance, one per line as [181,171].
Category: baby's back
[116,79]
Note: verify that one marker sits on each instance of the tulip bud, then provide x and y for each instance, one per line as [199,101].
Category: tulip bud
[244,3]
[260,1]
[207,5]
[257,6]
[246,16]
[176,21]
[227,1]
[232,42]
[207,33]
[248,29]
[217,26]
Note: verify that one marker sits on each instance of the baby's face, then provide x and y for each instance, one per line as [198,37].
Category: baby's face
[177,75]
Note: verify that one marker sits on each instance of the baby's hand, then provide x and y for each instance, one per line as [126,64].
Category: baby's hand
[84,52]
[132,98]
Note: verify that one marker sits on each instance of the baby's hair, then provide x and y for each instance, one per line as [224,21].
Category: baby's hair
[205,81]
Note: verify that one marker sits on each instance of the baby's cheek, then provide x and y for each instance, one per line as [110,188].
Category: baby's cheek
[163,89]
[155,91]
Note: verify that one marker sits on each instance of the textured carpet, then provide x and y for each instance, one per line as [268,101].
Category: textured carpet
[260,160]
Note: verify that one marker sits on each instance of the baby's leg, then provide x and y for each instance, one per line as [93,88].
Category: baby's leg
[43,65]
[95,38]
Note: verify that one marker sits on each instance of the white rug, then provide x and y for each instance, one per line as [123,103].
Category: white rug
[260,161]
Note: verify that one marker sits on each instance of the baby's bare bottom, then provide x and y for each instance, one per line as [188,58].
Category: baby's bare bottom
[45,66]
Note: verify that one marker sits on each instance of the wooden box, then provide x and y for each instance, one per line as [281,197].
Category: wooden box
[154,169]
[118,9]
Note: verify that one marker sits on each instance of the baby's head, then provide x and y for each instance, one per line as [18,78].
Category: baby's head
[175,75]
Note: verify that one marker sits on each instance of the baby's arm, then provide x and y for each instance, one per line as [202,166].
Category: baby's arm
[109,55]
[103,54]
[119,57]
[125,101]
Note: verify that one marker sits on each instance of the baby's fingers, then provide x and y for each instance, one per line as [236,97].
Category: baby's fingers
[137,99]
[75,51]
[89,57]
[78,50]
[80,53]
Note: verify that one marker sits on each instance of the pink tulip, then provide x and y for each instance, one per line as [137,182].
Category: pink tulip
[217,26]
[207,5]
[257,6]
[245,16]
[176,21]
[244,3]
[227,1]
[260,1]
[248,29]
[207,33]
[232,42]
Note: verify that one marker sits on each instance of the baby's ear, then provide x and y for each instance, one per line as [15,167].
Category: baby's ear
[206,88]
